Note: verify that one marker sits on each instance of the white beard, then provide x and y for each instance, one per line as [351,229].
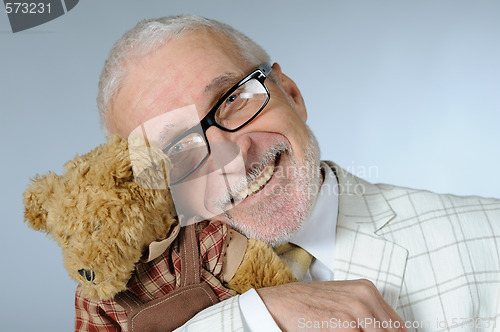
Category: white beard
[276,221]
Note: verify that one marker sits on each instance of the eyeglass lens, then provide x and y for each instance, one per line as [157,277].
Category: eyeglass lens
[234,111]
[241,105]
[186,155]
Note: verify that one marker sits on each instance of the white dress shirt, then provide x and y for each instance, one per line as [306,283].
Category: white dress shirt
[318,238]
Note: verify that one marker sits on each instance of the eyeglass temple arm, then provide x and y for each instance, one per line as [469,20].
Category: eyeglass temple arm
[265,68]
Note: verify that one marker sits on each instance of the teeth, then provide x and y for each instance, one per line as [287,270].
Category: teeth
[242,194]
[257,184]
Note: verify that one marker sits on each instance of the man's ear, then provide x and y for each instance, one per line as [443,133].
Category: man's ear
[36,198]
[291,89]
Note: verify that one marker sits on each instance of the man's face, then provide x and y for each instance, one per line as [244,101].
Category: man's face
[279,156]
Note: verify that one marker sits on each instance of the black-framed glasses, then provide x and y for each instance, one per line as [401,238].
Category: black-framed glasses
[233,111]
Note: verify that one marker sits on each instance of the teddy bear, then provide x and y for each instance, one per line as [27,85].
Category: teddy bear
[106,224]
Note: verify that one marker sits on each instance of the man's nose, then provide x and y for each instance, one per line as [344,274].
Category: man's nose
[228,151]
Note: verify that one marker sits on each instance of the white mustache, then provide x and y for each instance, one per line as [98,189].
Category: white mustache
[253,173]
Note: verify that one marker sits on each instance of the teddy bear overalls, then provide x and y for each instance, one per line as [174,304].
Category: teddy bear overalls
[172,310]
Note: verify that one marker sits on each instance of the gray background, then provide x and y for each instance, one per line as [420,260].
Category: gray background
[408,90]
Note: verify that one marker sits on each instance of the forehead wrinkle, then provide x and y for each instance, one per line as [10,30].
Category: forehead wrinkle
[143,100]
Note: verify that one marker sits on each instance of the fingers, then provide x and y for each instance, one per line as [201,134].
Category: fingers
[367,313]
[351,305]
[384,315]
[388,310]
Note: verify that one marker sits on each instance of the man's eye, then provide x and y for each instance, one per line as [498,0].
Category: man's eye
[177,148]
[231,99]
[233,104]
[185,145]
[173,150]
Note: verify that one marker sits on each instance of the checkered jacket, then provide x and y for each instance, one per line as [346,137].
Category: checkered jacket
[156,278]
[435,258]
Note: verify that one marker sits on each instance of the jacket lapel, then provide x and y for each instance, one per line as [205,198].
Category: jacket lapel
[359,251]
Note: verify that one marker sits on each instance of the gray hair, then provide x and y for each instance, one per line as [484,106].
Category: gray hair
[148,36]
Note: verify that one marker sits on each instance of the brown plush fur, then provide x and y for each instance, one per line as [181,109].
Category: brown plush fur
[261,267]
[104,221]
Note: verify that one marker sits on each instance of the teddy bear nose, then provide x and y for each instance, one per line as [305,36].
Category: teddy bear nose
[87,274]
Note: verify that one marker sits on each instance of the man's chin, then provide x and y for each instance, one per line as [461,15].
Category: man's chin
[267,223]
[276,212]
[273,237]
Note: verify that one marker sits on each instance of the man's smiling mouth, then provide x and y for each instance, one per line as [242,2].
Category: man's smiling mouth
[260,182]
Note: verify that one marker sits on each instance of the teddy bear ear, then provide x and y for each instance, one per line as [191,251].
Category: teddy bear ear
[36,198]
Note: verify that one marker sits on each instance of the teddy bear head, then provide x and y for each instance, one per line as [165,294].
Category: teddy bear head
[99,215]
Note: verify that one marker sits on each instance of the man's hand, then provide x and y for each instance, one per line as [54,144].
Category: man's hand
[345,305]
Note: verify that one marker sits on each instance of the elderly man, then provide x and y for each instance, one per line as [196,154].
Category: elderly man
[375,249]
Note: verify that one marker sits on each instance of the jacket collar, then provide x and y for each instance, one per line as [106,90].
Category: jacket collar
[359,251]
[361,201]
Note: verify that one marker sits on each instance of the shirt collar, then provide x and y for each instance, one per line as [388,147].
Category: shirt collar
[318,235]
